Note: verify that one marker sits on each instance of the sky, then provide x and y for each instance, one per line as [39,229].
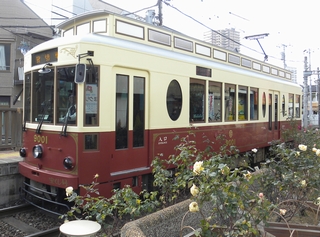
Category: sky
[291,25]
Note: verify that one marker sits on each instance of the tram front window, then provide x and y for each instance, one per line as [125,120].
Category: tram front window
[66,96]
[43,91]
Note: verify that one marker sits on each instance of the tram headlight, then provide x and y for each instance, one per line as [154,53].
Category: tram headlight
[68,163]
[23,152]
[37,151]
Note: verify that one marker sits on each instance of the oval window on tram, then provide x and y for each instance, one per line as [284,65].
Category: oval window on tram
[174,100]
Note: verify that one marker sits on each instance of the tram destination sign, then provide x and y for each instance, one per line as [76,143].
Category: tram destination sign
[43,57]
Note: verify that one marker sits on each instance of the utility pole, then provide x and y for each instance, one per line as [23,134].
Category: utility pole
[306,73]
[283,56]
[318,71]
[160,12]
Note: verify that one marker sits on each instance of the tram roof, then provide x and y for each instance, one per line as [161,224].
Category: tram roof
[136,30]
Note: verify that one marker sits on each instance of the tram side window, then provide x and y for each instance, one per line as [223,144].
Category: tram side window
[270,112]
[283,106]
[290,109]
[174,100]
[197,103]
[297,106]
[91,96]
[214,101]
[230,102]
[91,141]
[138,111]
[122,90]
[242,103]
[254,103]
[27,97]
[42,99]
[264,104]
[66,96]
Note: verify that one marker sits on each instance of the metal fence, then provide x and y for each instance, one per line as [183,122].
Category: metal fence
[11,129]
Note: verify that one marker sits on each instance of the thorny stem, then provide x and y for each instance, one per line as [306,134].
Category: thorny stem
[183,227]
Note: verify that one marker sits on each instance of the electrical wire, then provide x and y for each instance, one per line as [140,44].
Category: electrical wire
[145,8]
[226,37]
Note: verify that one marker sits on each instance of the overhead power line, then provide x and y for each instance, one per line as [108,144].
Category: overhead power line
[31,18]
[24,26]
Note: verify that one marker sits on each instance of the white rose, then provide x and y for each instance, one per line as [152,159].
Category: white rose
[254,150]
[69,191]
[302,147]
[194,190]
[283,212]
[197,167]
[193,207]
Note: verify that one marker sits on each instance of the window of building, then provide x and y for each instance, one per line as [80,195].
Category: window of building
[214,101]
[122,100]
[230,102]
[4,101]
[242,103]
[174,100]
[254,108]
[4,57]
[197,96]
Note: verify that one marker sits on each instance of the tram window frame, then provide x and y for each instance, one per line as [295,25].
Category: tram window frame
[91,141]
[297,108]
[138,111]
[174,100]
[66,90]
[43,99]
[214,101]
[283,105]
[122,112]
[242,103]
[99,25]
[197,104]
[290,105]
[230,111]
[254,103]
[27,97]
[263,104]
[270,111]
[92,97]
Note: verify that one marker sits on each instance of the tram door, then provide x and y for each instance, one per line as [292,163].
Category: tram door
[273,116]
[131,137]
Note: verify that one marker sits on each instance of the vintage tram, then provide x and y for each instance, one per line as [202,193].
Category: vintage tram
[113,92]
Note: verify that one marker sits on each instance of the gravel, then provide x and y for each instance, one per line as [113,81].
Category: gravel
[37,219]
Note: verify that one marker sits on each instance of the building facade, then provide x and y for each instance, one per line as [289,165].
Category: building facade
[227,38]
[20,30]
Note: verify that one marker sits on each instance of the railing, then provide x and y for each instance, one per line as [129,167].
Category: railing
[11,129]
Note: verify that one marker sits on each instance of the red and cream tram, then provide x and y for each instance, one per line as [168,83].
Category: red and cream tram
[113,92]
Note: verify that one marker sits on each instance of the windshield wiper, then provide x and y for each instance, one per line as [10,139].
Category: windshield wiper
[43,114]
[64,126]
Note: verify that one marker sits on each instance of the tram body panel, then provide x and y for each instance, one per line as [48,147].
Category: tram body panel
[136,101]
